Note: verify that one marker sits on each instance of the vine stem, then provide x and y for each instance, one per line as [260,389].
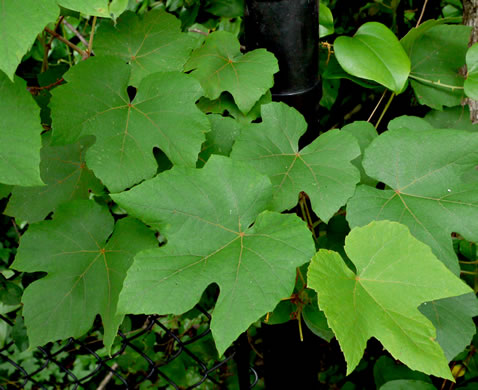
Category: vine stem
[377,106]
[385,110]
[422,13]
[76,32]
[92,35]
[66,42]
[439,83]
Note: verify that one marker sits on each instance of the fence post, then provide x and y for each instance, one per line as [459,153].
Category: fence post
[290,30]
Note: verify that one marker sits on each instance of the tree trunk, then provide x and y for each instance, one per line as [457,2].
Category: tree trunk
[470,18]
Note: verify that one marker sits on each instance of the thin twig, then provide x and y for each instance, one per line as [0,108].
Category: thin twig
[107,378]
[385,110]
[377,106]
[66,42]
[421,14]
[16,228]
[36,90]
[76,32]
[195,30]
[92,35]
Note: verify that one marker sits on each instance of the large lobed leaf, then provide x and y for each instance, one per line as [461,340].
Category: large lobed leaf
[374,53]
[32,16]
[86,268]
[425,173]
[381,299]
[220,66]
[150,43]
[19,129]
[66,176]
[163,114]
[319,169]
[216,234]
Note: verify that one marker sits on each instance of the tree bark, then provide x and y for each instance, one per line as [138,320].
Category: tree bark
[470,18]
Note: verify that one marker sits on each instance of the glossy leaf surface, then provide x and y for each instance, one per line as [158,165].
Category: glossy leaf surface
[374,53]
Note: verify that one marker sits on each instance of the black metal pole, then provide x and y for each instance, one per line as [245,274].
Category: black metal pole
[290,30]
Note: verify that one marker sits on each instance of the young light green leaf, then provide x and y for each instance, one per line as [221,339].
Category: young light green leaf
[423,170]
[66,176]
[150,43]
[326,21]
[219,66]
[216,234]
[417,32]
[90,7]
[19,129]
[328,177]
[453,320]
[374,53]
[471,82]
[437,56]
[162,114]
[85,267]
[32,16]
[381,300]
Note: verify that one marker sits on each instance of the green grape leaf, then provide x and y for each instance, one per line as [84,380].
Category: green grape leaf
[225,103]
[19,129]
[328,177]
[326,21]
[409,122]
[162,114]
[5,190]
[32,16]
[90,7]
[66,176]
[86,269]
[407,384]
[225,8]
[451,118]
[453,320]
[471,82]
[436,57]
[426,191]
[216,234]
[149,43]
[387,369]
[374,53]
[219,140]
[381,299]
[364,133]
[220,66]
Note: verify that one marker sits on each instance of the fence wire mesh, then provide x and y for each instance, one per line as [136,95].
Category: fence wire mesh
[152,356]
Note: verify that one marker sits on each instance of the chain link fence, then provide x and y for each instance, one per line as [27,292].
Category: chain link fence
[154,355]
